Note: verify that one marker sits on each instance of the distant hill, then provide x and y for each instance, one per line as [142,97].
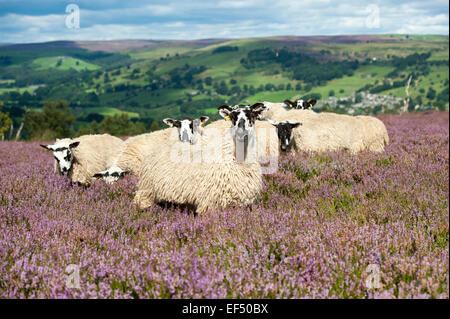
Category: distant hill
[152,79]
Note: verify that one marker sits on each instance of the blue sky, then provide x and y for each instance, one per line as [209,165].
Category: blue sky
[45,20]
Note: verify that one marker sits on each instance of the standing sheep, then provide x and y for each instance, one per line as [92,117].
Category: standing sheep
[232,177]
[81,157]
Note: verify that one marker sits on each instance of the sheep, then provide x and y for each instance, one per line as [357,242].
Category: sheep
[331,132]
[231,177]
[353,133]
[188,129]
[136,147]
[81,157]
[273,111]
[300,104]
[277,112]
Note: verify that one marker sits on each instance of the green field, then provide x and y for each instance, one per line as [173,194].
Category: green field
[110,111]
[159,81]
[66,64]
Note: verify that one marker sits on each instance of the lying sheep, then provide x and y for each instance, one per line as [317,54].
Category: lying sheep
[353,133]
[361,133]
[330,132]
[311,137]
[273,111]
[277,112]
[83,156]
[300,104]
[136,147]
[232,177]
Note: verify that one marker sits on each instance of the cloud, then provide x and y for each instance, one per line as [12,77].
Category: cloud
[36,21]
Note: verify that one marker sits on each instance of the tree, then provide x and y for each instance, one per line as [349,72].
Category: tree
[331,93]
[5,122]
[431,95]
[55,121]
[121,125]
[155,126]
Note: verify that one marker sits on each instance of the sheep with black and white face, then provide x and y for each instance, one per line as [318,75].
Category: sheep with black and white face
[230,175]
[136,147]
[81,157]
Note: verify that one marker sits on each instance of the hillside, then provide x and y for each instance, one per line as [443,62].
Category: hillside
[153,79]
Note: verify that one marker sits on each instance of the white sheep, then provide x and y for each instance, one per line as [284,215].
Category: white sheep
[332,131]
[135,148]
[83,156]
[329,132]
[278,112]
[230,176]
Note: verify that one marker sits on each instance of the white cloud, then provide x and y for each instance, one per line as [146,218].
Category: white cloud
[177,19]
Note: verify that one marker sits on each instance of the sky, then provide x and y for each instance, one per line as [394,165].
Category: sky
[50,20]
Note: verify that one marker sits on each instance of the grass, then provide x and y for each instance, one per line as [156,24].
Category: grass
[66,64]
[436,80]
[20,90]
[153,54]
[111,111]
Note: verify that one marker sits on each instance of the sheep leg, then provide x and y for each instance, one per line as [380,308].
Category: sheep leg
[143,199]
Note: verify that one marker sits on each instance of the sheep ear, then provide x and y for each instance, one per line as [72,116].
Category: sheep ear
[74,144]
[203,120]
[169,121]
[312,102]
[294,125]
[98,175]
[289,103]
[257,107]
[272,122]
[224,110]
[47,147]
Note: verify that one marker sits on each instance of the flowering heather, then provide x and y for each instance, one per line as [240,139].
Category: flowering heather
[321,222]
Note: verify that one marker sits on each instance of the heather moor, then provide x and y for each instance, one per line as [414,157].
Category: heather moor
[322,220]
